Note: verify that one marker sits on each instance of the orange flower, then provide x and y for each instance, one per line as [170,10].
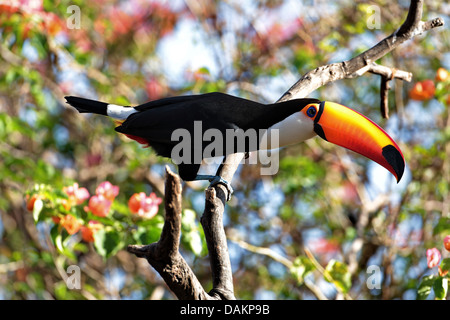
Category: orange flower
[99,206]
[447,243]
[87,233]
[66,204]
[31,200]
[144,206]
[442,74]
[442,273]
[53,24]
[70,223]
[423,90]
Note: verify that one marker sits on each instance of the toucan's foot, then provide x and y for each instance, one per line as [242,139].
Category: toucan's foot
[220,180]
[217,180]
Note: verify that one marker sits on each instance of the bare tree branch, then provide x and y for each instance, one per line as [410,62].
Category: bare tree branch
[164,255]
[320,76]
[212,222]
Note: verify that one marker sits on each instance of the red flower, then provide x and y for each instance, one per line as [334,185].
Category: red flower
[87,232]
[107,190]
[99,205]
[144,206]
[31,200]
[56,220]
[433,257]
[70,223]
[447,243]
[423,90]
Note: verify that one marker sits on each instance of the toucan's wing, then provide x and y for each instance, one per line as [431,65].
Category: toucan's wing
[157,124]
[167,102]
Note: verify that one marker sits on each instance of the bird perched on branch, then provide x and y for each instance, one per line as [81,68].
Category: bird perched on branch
[161,123]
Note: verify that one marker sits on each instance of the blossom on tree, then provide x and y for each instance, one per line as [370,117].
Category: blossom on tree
[76,195]
[423,90]
[146,207]
[107,190]
[99,205]
[447,243]
[70,223]
[87,232]
[433,257]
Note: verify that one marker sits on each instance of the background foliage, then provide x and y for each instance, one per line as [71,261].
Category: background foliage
[309,232]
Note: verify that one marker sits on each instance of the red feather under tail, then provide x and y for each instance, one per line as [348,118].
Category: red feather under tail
[140,140]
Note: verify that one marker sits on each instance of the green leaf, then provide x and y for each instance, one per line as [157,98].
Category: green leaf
[440,287]
[37,208]
[195,242]
[445,264]
[59,243]
[147,235]
[339,274]
[442,226]
[300,268]
[425,287]
[107,242]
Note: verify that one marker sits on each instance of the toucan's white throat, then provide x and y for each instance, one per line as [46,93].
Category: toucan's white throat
[291,130]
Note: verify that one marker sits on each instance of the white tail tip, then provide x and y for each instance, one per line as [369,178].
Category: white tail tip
[119,112]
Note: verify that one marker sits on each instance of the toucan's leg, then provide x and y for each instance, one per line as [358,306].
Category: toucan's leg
[216,180]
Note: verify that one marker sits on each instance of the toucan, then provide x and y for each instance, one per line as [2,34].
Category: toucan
[154,124]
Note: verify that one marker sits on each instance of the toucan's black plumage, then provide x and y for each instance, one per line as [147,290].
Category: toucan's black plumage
[156,120]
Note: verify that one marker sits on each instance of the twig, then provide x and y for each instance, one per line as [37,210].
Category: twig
[384,95]
[277,257]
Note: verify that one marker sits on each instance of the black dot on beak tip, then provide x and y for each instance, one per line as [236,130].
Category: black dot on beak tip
[395,159]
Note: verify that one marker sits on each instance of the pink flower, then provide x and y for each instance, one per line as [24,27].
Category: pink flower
[447,243]
[433,257]
[76,195]
[107,190]
[99,205]
[146,207]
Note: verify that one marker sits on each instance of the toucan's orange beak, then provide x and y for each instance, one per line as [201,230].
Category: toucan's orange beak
[350,129]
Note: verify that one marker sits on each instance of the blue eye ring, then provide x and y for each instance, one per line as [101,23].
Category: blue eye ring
[311,112]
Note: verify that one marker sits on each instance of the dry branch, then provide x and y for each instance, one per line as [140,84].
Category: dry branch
[362,63]
[164,255]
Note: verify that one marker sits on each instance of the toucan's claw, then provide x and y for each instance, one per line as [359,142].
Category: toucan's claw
[220,180]
[217,180]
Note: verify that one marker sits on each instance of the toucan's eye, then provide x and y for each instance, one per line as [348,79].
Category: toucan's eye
[311,112]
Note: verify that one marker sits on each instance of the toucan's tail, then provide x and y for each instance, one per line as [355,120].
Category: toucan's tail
[88,106]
